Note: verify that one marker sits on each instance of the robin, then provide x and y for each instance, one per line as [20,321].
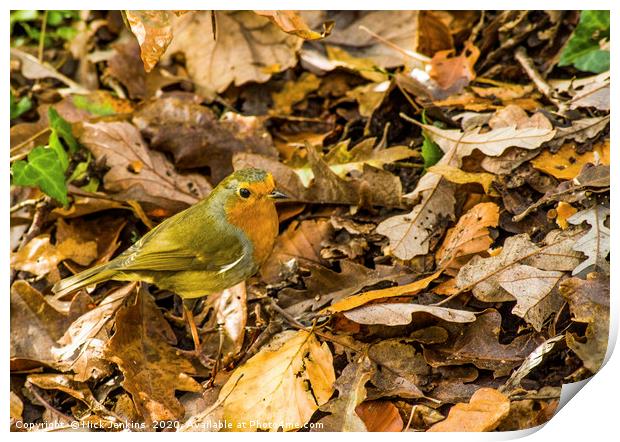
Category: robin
[213,245]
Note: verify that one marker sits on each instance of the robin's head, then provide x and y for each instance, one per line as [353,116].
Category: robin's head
[248,186]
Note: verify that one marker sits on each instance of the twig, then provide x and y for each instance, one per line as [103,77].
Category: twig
[42,36]
[26,203]
[528,66]
[411,54]
[47,405]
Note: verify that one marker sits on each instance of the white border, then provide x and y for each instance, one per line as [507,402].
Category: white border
[592,416]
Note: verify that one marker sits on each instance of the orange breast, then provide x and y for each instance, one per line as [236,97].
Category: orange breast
[259,221]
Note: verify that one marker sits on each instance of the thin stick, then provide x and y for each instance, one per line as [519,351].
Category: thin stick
[26,203]
[411,54]
[528,66]
[32,138]
[42,36]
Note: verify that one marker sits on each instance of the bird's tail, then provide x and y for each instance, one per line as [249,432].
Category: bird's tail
[90,276]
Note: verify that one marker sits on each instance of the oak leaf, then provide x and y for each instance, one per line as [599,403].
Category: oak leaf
[283,384]
[595,244]
[351,386]
[400,314]
[589,303]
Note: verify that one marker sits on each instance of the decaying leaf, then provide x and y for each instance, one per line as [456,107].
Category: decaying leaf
[579,131]
[400,314]
[595,243]
[40,257]
[294,369]
[153,369]
[153,29]
[196,137]
[470,236]
[293,23]
[351,386]
[478,344]
[301,242]
[589,302]
[532,361]
[454,73]
[402,371]
[410,234]
[36,325]
[137,173]
[247,47]
[484,412]
[81,347]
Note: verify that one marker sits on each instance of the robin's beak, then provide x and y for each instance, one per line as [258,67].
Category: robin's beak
[277,195]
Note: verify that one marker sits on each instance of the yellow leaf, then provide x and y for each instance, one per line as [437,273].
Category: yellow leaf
[391,292]
[485,410]
[458,176]
[564,211]
[293,92]
[365,66]
[566,163]
[282,385]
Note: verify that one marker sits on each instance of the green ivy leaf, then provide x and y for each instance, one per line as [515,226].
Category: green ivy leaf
[583,49]
[62,128]
[19,107]
[431,152]
[44,170]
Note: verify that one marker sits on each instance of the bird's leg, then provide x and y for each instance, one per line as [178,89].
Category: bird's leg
[189,317]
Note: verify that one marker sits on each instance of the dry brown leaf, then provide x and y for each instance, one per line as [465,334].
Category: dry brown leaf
[290,378]
[196,137]
[579,131]
[157,184]
[566,163]
[16,408]
[293,23]
[81,347]
[594,94]
[400,314]
[364,298]
[492,143]
[153,29]
[401,370]
[410,234]
[478,343]
[595,244]
[365,67]
[67,384]
[470,236]
[368,96]
[247,48]
[458,176]
[324,286]
[454,73]
[351,386]
[380,416]
[523,272]
[152,368]
[508,161]
[36,325]
[484,412]
[398,27]
[300,242]
[589,302]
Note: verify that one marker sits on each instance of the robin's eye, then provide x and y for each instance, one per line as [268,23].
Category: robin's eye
[244,193]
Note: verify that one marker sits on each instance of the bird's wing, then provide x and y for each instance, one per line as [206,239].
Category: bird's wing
[167,250]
